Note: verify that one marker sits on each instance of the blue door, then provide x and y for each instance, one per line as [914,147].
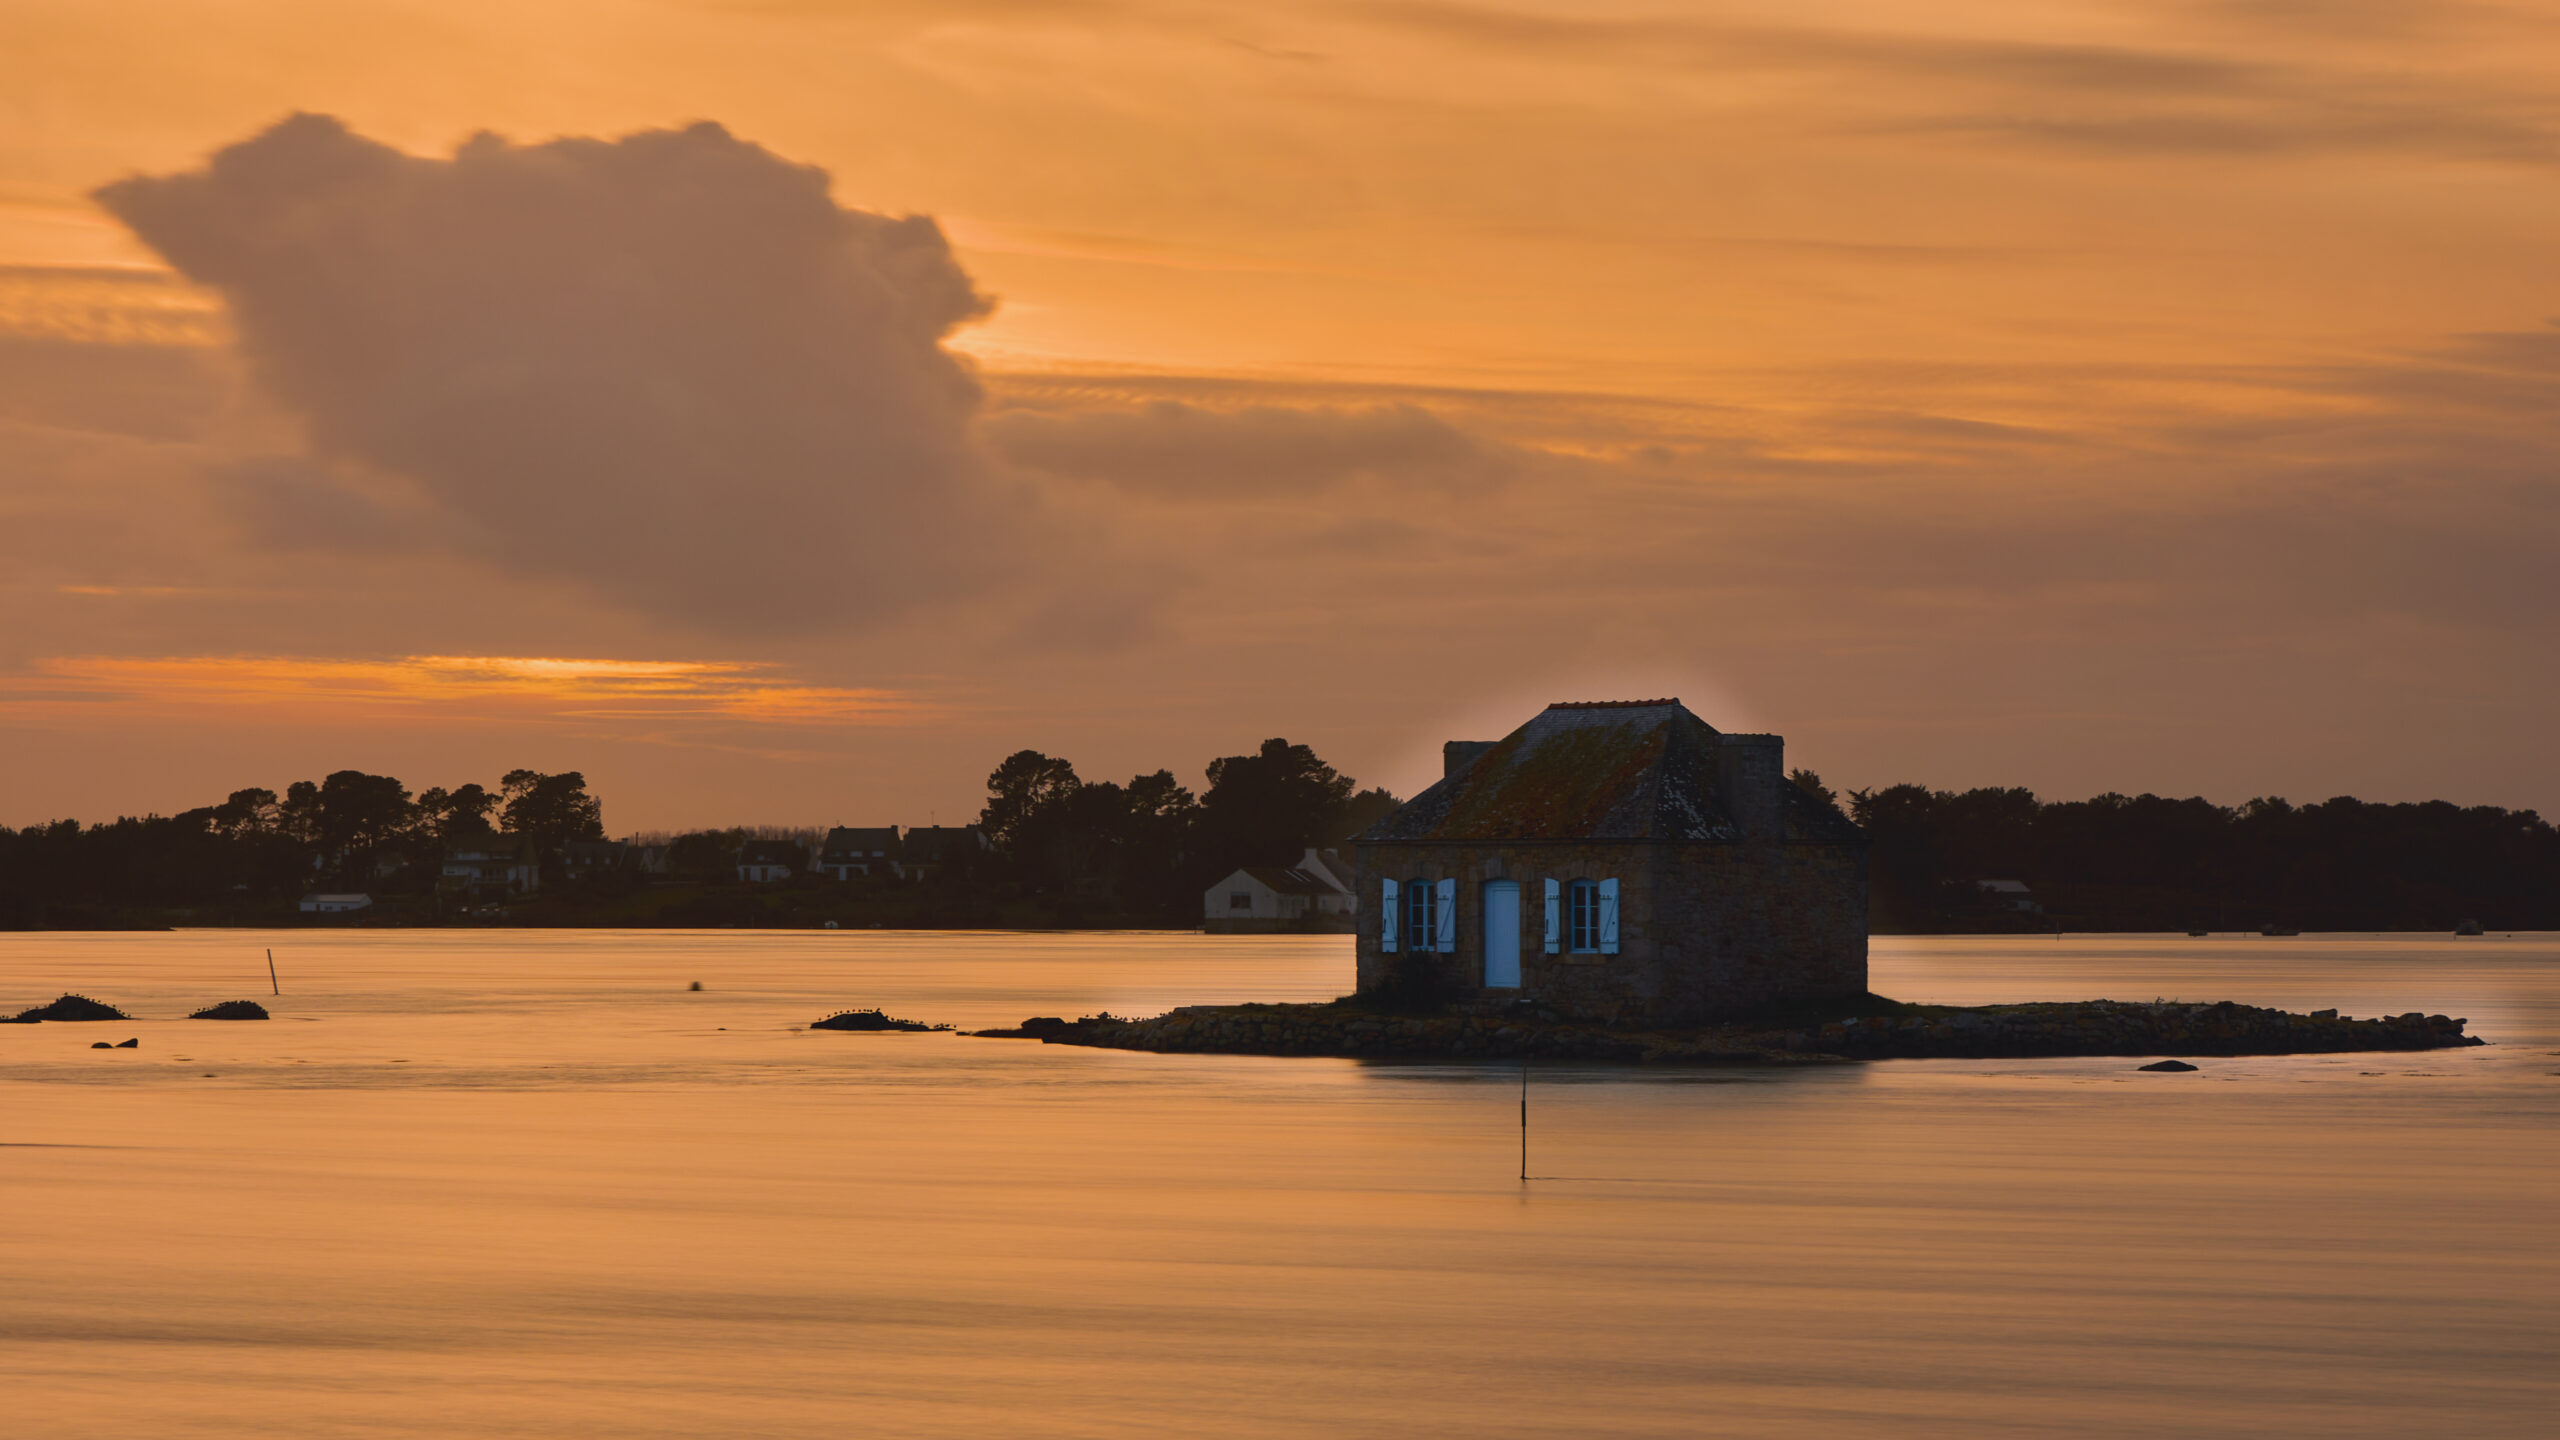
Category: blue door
[1502,934]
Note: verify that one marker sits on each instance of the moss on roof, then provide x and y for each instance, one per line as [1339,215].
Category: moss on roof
[1641,770]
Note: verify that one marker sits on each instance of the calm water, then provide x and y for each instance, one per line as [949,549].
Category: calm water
[524,1184]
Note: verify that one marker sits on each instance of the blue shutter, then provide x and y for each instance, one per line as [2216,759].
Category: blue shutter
[1390,916]
[1608,917]
[1448,918]
[1555,916]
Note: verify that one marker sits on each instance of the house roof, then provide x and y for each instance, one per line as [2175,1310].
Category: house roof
[1597,770]
[862,840]
[933,844]
[1288,882]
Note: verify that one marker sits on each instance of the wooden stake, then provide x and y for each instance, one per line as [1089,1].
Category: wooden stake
[1524,1122]
[279,989]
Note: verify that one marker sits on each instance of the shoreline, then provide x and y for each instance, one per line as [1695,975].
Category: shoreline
[1889,1030]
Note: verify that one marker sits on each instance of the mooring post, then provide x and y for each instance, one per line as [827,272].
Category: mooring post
[279,989]
[1524,1120]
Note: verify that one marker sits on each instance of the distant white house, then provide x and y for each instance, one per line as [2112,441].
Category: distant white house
[770,862]
[1314,894]
[335,904]
[852,850]
[491,867]
[2011,893]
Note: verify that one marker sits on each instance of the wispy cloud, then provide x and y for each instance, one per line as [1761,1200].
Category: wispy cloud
[457,686]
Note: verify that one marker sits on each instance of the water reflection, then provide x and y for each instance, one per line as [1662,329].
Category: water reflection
[528,1183]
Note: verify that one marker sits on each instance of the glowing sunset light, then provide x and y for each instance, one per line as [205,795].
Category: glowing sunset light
[565,687]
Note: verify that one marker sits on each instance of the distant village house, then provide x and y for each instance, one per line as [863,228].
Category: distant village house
[587,857]
[852,850]
[1315,894]
[335,904]
[930,849]
[492,867]
[770,862]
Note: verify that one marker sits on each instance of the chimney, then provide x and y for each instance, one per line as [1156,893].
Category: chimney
[1750,769]
[1457,755]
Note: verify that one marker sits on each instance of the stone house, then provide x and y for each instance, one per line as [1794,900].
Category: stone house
[1617,861]
[335,904]
[1315,894]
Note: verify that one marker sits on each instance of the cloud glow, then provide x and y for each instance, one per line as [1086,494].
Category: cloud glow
[507,685]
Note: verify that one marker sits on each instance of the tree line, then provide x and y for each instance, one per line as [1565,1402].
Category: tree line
[348,831]
[1062,849]
[1069,850]
[2145,863]
[1150,847]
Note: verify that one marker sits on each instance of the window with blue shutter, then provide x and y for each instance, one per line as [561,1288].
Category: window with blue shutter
[1446,933]
[1608,917]
[1582,917]
[1555,916]
[1391,916]
[1421,916]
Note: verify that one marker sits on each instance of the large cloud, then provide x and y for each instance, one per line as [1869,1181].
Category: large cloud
[668,367]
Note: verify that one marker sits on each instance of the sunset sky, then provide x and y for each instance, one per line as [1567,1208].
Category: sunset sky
[2134,396]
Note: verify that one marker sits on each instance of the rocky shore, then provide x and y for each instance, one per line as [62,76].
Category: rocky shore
[1889,1031]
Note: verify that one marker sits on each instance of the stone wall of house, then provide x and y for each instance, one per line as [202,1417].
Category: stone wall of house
[1704,929]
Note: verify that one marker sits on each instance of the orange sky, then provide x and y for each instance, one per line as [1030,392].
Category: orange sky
[2086,396]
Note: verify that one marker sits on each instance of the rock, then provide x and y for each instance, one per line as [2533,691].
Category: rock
[2168,1065]
[696,985]
[232,1010]
[133,1044]
[74,1007]
[869,1020]
[101,1045]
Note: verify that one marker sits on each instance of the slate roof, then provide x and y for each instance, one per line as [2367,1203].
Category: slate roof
[940,844]
[773,852]
[1612,770]
[850,843]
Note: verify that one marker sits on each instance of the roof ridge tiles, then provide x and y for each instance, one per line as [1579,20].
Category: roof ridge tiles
[1612,704]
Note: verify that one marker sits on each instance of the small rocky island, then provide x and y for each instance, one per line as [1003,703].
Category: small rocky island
[1619,881]
[1883,1030]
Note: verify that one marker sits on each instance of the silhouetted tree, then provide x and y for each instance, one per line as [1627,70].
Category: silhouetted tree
[1268,807]
[550,810]
[452,815]
[1021,790]
[1364,810]
[1811,784]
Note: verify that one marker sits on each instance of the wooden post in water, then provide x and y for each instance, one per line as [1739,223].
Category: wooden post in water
[1524,1121]
[279,989]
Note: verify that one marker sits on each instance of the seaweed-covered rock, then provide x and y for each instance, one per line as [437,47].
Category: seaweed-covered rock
[869,1020]
[2166,1065]
[232,1010]
[73,1007]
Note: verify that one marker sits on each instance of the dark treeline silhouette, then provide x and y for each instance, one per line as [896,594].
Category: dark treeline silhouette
[350,831]
[2146,863]
[1061,851]
[1149,848]
[1067,851]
